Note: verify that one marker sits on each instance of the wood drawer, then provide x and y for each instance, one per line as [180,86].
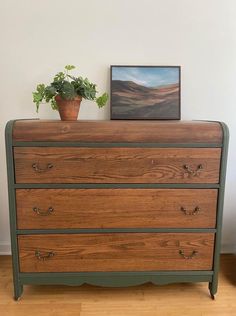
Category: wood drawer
[140,131]
[115,252]
[115,208]
[116,165]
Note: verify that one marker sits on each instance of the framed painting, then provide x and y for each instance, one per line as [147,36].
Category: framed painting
[145,92]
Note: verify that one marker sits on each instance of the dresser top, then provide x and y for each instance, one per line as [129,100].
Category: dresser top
[118,131]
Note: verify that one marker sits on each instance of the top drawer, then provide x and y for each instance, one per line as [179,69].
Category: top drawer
[183,132]
[116,165]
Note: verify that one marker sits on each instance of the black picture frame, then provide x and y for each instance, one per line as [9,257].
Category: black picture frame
[145,92]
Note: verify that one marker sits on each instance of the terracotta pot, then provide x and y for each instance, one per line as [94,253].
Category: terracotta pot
[68,109]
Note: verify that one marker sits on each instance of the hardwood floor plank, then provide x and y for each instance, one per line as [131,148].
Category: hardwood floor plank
[39,309]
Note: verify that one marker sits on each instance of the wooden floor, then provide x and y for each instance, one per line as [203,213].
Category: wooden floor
[146,300]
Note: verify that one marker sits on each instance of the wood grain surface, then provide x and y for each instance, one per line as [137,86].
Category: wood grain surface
[118,131]
[115,208]
[116,165]
[116,252]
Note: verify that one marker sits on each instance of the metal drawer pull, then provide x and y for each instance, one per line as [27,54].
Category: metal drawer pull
[37,168]
[192,172]
[193,254]
[43,213]
[194,212]
[40,256]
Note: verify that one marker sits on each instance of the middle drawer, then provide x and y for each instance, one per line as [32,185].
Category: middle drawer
[116,208]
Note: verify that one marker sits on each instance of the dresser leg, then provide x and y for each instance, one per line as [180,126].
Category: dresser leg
[213,289]
[18,290]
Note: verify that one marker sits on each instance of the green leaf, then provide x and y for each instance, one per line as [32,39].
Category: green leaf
[67,92]
[40,88]
[39,95]
[102,100]
[57,85]
[54,104]
[60,76]
[50,92]
[69,67]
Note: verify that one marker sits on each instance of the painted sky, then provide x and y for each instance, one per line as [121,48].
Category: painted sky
[147,76]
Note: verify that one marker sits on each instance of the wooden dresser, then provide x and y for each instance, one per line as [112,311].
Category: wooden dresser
[115,203]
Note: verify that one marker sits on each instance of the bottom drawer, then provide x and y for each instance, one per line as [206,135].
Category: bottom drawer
[115,252]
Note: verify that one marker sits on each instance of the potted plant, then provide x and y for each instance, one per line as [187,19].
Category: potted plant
[66,92]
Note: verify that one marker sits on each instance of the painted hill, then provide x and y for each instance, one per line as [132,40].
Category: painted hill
[131,100]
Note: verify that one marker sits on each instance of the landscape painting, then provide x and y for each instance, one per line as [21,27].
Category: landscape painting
[145,92]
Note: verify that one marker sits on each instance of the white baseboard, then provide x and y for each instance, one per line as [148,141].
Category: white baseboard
[228,248]
[5,248]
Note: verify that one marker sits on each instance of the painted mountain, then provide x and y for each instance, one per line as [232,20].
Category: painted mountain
[133,101]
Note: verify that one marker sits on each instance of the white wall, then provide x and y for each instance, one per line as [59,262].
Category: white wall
[39,37]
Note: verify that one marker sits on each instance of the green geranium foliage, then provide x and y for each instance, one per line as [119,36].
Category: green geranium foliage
[68,87]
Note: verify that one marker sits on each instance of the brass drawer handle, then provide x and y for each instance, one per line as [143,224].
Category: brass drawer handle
[37,168]
[45,256]
[194,212]
[192,172]
[193,254]
[43,213]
